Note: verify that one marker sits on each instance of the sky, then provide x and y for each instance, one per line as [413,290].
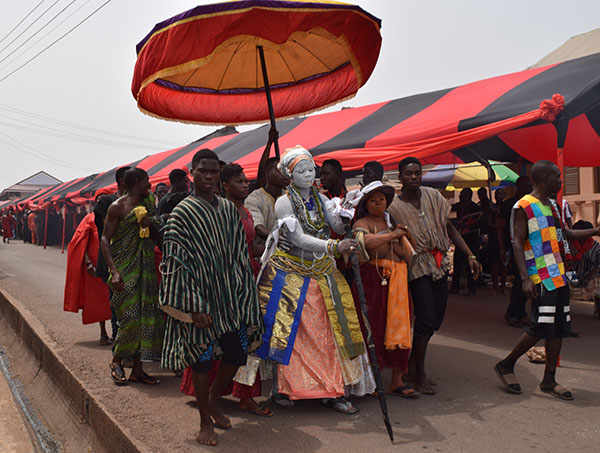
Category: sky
[70,111]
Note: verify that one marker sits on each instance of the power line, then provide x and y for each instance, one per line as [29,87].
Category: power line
[47,130]
[56,41]
[44,37]
[43,130]
[39,30]
[21,21]
[81,127]
[39,155]
[29,26]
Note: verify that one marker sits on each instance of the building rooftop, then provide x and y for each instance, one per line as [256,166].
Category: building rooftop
[578,46]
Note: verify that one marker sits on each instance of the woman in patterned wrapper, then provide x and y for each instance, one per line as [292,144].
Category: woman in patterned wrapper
[311,324]
[383,269]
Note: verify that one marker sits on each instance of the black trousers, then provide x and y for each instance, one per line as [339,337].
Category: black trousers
[516,309]
[461,262]
[429,304]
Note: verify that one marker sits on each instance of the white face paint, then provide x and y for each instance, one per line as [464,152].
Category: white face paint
[303,175]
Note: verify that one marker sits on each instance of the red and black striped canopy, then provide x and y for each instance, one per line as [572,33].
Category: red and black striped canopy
[498,118]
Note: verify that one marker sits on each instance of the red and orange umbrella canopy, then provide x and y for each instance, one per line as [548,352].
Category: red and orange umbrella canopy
[202,66]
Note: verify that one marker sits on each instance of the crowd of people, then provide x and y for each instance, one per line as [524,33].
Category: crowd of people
[43,227]
[230,288]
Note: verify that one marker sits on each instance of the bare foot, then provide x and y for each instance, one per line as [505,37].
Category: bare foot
[424,387]
[249,405]
[219,418]
[207,436]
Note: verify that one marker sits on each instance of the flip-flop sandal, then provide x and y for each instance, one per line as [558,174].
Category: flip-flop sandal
[411,379]
[144,379]
[104,341]
[117,374]
[558,391]
[261,411]
[511,384]
[340,405]
[404,391]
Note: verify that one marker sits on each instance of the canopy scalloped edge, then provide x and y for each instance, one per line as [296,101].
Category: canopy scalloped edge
[245,123]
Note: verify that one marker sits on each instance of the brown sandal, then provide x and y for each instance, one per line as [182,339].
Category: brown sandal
[144,379]
[511,384]
[260,410]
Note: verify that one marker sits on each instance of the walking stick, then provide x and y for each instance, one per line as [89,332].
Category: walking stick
[369,340]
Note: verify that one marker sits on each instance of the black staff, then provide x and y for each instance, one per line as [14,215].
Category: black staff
[370,345]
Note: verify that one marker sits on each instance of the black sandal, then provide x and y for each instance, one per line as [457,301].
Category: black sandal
[117,374]
[282,400]
[341,405]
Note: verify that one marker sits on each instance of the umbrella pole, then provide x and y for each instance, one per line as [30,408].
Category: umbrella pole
[263,66]
[369,340]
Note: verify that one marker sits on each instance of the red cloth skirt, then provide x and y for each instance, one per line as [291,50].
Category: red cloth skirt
[236,389]
[376,296]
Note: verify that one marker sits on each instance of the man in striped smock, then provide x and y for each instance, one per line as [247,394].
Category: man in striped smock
[208,291]
[537,232]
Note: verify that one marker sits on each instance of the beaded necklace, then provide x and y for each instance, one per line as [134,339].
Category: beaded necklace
[317,227]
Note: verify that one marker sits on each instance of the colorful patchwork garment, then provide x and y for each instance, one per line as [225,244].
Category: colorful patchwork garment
[542,250]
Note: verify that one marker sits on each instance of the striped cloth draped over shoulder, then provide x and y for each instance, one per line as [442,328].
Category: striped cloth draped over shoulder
[206,269]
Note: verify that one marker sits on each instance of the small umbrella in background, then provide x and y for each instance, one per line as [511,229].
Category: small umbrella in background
[215,64]
[474,174]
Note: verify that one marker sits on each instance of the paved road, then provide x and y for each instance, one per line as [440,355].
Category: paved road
[471,413]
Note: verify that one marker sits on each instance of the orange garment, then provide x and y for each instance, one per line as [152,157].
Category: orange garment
[397,326]
[82,291]
[314,370]
[31,225]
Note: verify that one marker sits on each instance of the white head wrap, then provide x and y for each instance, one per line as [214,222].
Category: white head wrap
[291,157]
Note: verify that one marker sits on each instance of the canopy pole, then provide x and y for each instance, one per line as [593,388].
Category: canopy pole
[263,66]
[64,216]
[486,164]
[46,229]
[561,125]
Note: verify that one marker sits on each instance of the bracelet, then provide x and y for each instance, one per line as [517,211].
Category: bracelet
[329,247]
[336,252]
[471,257]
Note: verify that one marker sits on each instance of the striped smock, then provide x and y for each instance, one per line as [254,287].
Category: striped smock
[206,269]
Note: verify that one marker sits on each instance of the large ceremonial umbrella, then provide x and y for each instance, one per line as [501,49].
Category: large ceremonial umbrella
[474,174]
[215,64]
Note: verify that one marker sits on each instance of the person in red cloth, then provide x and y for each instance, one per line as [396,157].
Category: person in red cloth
[236,187]
[84,290]
[8,223]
